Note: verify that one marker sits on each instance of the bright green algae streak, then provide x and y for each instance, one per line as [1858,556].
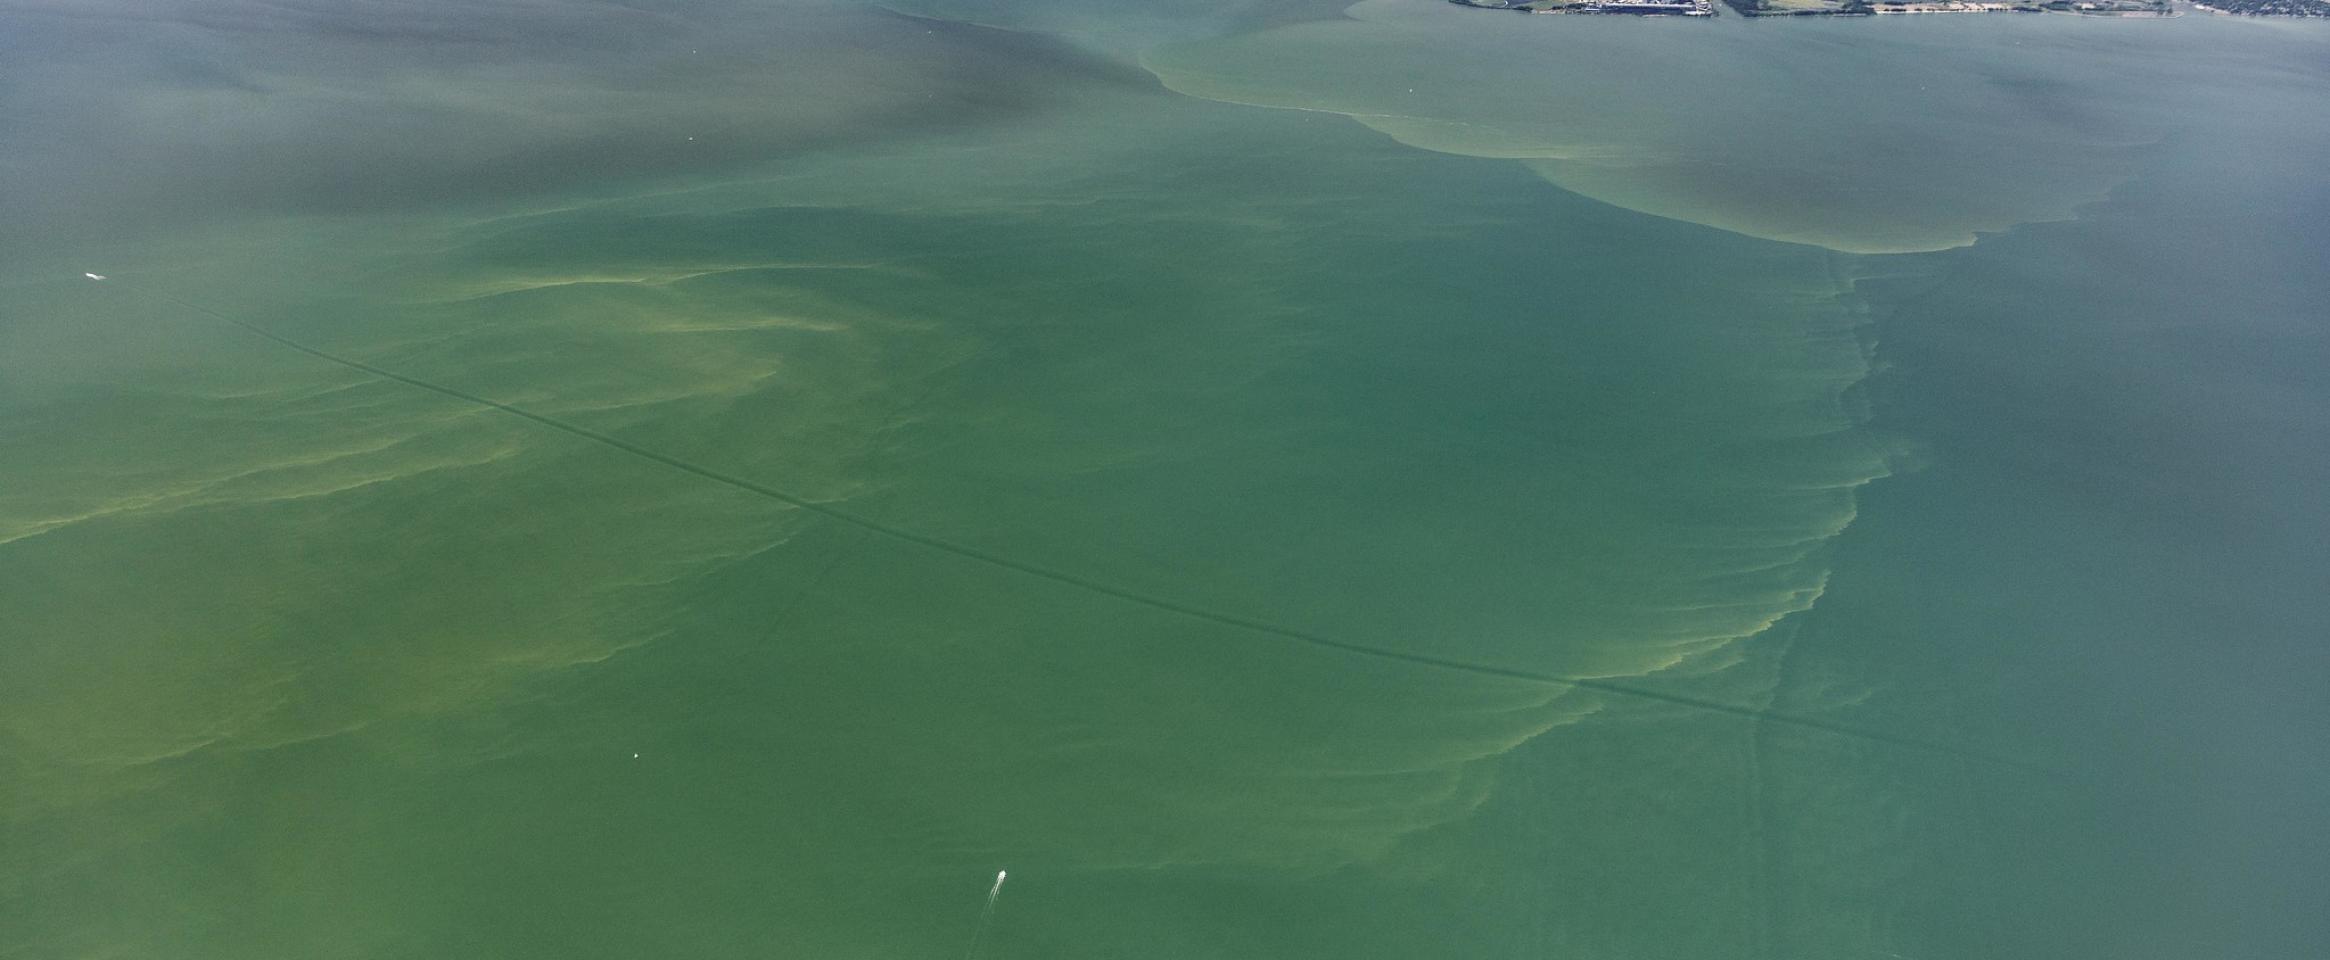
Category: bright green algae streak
[303,662]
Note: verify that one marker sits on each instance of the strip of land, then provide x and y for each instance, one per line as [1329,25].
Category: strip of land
[1862,8]
[2269,8]
[1855,8]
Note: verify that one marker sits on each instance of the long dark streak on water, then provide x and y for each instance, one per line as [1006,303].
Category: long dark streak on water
[1120,593]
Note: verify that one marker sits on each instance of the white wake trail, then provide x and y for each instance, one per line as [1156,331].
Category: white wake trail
[985,914]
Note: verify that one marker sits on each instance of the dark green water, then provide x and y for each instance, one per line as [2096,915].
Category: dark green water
[1284,481]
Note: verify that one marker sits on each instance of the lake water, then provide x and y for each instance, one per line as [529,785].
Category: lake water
[1283,480]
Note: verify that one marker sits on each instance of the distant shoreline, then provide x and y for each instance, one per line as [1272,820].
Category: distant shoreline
[2295,9]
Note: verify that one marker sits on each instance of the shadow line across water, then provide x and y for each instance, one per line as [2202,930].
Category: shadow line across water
[1098,587]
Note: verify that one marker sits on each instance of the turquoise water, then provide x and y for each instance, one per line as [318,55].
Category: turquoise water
[1282,480]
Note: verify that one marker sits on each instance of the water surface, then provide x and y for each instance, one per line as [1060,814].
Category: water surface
[1656,489]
